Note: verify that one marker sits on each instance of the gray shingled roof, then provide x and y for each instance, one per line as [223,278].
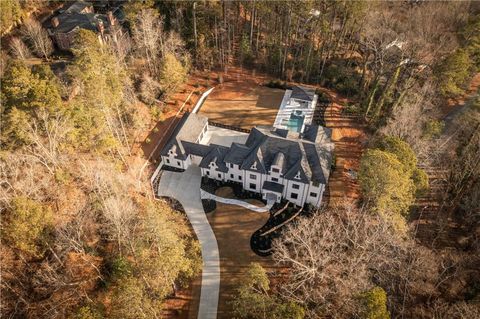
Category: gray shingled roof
[217,155]
[317,133]
[272,186]
[302,93]
[187,130]
[87,21]
[237,154]
[308,158]
[76,6]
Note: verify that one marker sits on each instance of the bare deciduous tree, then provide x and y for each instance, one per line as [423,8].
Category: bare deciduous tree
[38,37]
[19,50]
[330,256]
[148,35]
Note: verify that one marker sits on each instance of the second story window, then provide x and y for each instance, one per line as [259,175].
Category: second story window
[253,176]
[295,186]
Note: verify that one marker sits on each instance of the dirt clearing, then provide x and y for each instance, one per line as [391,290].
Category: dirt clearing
[243,104]
[348,134]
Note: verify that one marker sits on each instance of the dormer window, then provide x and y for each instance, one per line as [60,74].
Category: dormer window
[275,170]
[298,175]
[254,165]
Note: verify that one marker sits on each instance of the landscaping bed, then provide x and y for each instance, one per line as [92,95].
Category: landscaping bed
[280,215]
[209,205]
[209,185]
[172,169]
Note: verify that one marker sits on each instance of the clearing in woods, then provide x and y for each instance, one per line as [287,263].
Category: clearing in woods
[243,104]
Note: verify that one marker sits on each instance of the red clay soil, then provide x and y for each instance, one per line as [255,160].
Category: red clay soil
[243,103]
[452,104]
[349,137]
[233,226]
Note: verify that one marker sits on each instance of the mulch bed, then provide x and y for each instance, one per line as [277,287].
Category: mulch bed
[211,186]
[262,245]
[172,169]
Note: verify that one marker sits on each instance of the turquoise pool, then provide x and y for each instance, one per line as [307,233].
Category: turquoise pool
[295,122]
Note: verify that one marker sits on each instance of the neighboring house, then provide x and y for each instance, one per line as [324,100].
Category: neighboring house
[64,26]
[284,163]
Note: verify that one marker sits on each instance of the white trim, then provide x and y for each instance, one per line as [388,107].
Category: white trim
[202,98]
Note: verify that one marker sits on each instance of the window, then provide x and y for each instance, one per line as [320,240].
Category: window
[178,163]
[275,170]
[231,165]
[295,186]
[231,175]
[293,195]
[208,173]
[167,160]
[219,175]
[253,186]
[312,194]
[240,177]
[253,176]
[274,179]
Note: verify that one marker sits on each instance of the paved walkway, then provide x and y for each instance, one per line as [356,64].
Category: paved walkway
[266,208]
[185,187]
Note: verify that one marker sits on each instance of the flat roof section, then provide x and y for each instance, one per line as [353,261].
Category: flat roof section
[223,136]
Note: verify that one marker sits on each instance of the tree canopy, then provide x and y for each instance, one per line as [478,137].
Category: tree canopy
[27,226]
[254,299]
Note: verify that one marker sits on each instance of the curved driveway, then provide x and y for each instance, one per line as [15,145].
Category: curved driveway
[185,187]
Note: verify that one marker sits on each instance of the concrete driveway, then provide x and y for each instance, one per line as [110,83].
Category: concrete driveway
[185,187]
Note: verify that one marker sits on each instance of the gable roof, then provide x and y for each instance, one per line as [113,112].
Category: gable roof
[303,93]
[216,155]
[307,157]
[187,130]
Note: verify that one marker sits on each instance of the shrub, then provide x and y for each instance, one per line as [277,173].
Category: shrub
[119,268]
[433,129]
[27,226]
[420,179]
[276,84]
[322,97]
[374,303]
[341,78]
[62,176]
[351,110]
[87,312]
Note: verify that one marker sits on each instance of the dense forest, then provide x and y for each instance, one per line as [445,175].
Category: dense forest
[83,237]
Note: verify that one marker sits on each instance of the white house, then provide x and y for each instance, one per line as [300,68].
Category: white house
[276,161]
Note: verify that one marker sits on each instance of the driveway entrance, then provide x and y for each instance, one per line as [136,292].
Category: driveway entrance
[185,187]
